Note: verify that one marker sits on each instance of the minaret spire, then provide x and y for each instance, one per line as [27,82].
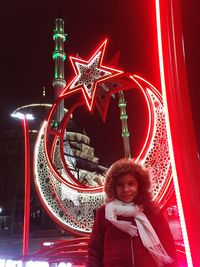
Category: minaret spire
[124,118]
[59,57]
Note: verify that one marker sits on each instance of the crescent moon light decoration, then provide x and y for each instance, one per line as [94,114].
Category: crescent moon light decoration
[67,201]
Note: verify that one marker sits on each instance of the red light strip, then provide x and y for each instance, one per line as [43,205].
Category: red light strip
[26,223]
[175,178]
[144,148]
[78,83]
[148,141]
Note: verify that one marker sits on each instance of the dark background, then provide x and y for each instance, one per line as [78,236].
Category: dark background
[26,66]
[27,45]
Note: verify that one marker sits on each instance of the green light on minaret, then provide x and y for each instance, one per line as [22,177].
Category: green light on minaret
[55,124]
[58,54]
[60,35]
[124,117]
[59,57]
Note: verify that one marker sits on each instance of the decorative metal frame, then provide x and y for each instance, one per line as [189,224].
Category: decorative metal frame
[71,204]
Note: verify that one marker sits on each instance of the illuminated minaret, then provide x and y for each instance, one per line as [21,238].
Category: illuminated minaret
[124,118]
[59,57]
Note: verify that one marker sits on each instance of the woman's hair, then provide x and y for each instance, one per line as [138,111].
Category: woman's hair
[141,174]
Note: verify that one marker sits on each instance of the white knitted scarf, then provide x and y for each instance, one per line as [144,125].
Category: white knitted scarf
[144,228]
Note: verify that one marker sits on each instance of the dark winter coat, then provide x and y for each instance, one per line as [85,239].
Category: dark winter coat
[111,247]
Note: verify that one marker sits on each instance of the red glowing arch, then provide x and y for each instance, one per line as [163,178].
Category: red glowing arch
[49,158]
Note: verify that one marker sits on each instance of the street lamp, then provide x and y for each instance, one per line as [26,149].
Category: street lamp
[26,223]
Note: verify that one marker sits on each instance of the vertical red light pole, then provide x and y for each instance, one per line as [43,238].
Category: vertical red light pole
[27,180]
[180,129]
[26,224]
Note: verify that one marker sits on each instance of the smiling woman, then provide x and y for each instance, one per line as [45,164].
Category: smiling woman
[125,231]
[126,188]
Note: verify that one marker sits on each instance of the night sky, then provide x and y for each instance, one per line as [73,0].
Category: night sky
[27,45]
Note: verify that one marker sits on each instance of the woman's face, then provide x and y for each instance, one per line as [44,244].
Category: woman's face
[126,188]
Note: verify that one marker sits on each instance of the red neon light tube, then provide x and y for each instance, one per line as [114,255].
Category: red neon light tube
[26,224]
[181,136]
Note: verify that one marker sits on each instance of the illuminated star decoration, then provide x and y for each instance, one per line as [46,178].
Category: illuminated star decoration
[89,74]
